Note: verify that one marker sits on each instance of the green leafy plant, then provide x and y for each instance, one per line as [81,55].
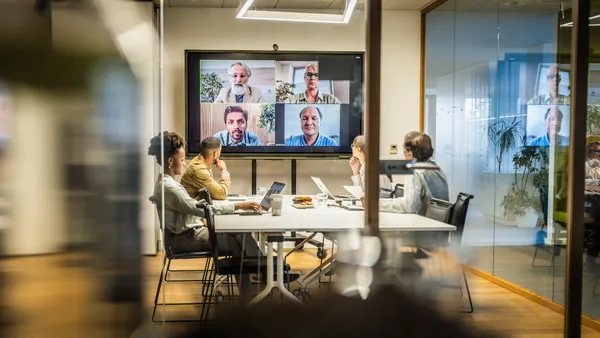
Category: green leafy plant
[593,117]
[211,85]
[283,90]
[531,162]
[504,135]
[267,117]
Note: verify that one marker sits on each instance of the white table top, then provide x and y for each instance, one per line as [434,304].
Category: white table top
[324,219]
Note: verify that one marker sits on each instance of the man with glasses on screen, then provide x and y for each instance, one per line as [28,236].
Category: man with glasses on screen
[235,134]
[553,118]
[312,93]
[240,91]
[552,97]
[310,122]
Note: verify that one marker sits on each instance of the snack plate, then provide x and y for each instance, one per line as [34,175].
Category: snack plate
[298,206]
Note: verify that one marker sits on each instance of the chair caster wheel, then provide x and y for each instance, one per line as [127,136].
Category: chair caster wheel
[219,297]
[300,294]
[296,243]
[321,253]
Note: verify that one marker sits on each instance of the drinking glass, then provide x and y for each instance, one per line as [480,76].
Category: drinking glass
[322,199]
[261,191]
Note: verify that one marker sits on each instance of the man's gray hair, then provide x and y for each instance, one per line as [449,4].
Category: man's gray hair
[246,68]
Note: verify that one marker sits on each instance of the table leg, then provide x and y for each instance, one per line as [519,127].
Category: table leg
[279,282]
[270,282]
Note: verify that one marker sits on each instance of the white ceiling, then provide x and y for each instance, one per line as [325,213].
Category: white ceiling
[296,4]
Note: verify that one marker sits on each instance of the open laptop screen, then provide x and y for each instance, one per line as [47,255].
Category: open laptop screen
[276,188]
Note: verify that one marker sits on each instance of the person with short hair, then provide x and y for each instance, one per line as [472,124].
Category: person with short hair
[552,97]
[312,93]
[357,164]
[235,133]
[423,184]
[310,122]
[553,118]
[240,91]
[184,229]
[198,173]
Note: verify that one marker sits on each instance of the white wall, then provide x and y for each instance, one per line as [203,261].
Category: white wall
[217,29]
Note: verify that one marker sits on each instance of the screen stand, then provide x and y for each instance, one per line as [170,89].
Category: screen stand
[253,177]
[294,177]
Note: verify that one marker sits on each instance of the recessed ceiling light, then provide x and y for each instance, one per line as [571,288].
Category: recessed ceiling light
[245,13]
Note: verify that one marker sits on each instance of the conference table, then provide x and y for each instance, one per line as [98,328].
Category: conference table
[324,219]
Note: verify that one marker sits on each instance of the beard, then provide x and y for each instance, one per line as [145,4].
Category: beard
[239,89]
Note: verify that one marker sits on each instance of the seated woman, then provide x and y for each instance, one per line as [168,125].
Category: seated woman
[423,185]
[184,229]
[592,165]
[357,163]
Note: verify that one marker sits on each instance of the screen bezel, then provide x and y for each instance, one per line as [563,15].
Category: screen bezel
[255,152]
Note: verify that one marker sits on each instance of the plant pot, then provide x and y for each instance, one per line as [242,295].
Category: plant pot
[529,220]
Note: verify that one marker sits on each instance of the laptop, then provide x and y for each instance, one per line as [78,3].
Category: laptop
[265,204]
[323,188]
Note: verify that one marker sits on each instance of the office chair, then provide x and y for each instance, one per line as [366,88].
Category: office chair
[169,256]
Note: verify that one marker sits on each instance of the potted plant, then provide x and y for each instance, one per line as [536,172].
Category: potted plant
[522,200]
[593,118]
[267,117]
[211,85]
[504,135]
[283,90]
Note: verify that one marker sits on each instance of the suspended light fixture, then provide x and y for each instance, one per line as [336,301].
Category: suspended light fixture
[244,12]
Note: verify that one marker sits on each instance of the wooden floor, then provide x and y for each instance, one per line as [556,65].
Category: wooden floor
[57,296]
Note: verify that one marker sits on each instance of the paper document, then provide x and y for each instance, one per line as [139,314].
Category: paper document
[356,191]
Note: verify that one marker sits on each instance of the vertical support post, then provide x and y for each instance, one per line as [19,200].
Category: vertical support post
[580,43]
[294,177]
[253,176]
[372,114]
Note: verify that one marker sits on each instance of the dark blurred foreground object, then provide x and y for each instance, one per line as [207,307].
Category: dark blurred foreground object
[387,313]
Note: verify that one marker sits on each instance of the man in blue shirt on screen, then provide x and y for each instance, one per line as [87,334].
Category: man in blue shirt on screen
[235,134]
[553,118]
[310,122]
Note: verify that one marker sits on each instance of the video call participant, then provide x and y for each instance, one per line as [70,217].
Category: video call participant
[240,91]
[357,164]
[312,94]
[423,184]
[592,165]
[552,97]
[235,134]
[553,118]
[183,219]
[310,122]
[198,173]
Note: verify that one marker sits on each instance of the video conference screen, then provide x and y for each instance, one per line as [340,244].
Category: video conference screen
[274,103]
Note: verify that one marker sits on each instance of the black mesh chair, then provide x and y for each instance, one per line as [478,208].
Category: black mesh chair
[454,214]
[170,254]
[398,190]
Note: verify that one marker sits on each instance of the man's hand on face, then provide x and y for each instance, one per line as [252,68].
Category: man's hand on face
[221,165]
[254,206]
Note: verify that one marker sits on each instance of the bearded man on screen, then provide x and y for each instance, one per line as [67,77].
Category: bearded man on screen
[240,91]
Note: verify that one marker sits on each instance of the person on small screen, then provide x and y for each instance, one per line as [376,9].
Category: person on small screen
[235,134]
[552,97]
[422,185]
[240,91]
[592,165]
[357,164]
[312,93]
[198,173]
[310,122]
[553,118]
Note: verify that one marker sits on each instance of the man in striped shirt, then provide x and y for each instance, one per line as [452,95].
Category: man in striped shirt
[235,134]
[310,122]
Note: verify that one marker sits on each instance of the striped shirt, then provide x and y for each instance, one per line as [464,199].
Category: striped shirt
[321,98]
[322,141]
[249,139]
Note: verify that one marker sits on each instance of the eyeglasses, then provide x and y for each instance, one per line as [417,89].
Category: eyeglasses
[312,75]
[553,77]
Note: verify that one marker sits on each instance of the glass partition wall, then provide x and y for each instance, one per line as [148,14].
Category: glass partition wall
[498,99]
